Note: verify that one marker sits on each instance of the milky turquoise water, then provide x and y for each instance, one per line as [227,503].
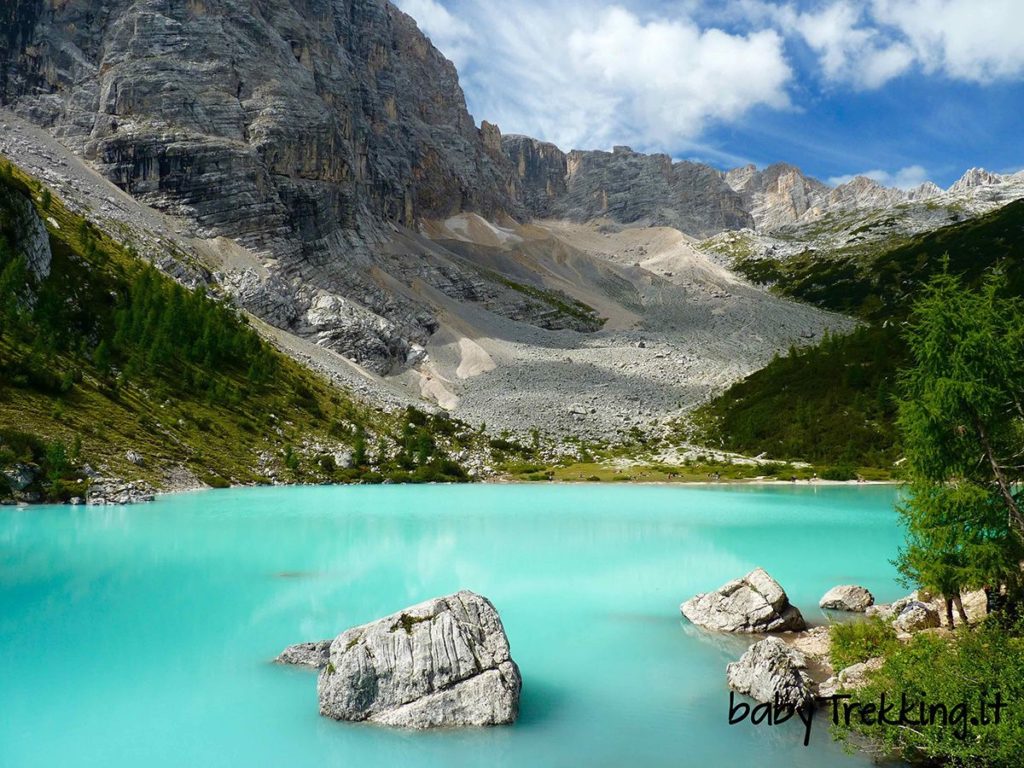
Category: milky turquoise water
[141,636]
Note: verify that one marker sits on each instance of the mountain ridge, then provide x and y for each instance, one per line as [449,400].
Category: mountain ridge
[316,160]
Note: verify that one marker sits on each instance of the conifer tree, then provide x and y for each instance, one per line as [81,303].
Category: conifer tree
[961,415]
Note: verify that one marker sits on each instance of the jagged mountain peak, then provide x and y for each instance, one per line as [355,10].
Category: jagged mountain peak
[976,177]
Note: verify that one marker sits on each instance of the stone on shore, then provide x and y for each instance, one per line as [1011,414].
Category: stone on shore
[890,611]
[847,597]
[852,678]
[917,616]
[442,663]
[756,603]
[772,672]
[315,655]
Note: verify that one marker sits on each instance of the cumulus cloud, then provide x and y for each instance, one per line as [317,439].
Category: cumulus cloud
[973,40]
[590,77]
[905,178]
[849,50]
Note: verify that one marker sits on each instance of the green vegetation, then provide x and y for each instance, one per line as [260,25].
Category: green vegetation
[565,305]
[835,403]
[973,665]
[961,421]
[828,404]
[858,641]
[961,416]
[106,354]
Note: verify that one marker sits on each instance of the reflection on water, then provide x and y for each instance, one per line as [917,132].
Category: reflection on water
[141,635]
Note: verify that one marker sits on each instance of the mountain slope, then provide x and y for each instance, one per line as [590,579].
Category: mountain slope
[834,403]
[105,362]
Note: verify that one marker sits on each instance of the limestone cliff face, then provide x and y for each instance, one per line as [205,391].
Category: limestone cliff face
[302,129]
[624,186]
[779,195]
[277,122]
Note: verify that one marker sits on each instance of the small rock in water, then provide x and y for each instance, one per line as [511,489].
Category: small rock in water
[313,655]
[772,672]
[847,598]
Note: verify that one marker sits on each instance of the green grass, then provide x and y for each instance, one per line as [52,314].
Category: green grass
[859,641]
[955,673]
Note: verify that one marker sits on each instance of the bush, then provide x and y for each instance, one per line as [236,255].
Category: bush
[937,669]
[840,473]
[861,640]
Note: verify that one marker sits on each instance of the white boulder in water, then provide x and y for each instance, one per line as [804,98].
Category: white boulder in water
[771,672]
[847,597]
[755,603]
[443,663]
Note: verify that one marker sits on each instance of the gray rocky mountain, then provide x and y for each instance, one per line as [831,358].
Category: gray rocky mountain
[625,187]
[315,159]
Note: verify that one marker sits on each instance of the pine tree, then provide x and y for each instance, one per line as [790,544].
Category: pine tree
[961,414]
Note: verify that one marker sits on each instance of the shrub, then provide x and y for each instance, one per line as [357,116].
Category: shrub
[974,664]
[861,640]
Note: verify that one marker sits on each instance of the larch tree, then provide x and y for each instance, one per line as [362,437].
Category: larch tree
[961,416]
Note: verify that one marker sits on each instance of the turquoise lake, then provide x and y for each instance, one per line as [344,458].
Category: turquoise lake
[142,636]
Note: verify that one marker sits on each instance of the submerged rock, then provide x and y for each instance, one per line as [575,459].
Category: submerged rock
[315,655]
[847,598]
[755,603]
[442,663]
[772,672]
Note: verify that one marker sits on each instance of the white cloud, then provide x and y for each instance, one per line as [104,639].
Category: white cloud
[591,77]
[868,43]
[974,40]
[849,49]
[905,178]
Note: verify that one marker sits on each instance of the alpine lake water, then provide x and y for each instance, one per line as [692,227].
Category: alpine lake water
[143,636]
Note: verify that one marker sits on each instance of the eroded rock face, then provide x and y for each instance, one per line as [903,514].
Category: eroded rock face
[847,597]
[755,603]
[624,186]
[304,130]
[442,663]
[314,655]
[772,672]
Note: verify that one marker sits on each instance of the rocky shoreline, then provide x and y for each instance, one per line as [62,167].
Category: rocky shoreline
[792,665]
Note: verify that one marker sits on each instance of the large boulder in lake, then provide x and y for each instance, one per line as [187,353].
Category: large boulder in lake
[772,672]
[755,603]
[442,663]
[847,597]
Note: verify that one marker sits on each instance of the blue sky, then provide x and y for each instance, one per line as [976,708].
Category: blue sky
[901,90]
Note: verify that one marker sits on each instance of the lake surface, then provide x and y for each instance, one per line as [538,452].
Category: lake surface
[142,636]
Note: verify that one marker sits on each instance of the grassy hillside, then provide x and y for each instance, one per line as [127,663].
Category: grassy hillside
[106,355]
[833,403]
